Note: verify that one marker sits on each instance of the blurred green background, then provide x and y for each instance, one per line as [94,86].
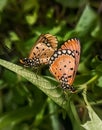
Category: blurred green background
[22,105]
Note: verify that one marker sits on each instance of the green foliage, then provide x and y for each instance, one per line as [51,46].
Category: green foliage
[86,22]
[31,100]
[94,123]
[2,4]
[72,3]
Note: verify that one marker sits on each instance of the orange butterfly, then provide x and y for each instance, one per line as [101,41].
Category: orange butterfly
[41,51]
[64,63]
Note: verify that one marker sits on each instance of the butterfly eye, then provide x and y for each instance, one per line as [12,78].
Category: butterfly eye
[41,51]
[64,63]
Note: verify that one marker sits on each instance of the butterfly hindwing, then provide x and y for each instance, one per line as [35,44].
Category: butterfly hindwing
[64,63]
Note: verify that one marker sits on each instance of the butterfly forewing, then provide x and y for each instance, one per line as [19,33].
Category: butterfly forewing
[45,41]
[41,51]
[73,45]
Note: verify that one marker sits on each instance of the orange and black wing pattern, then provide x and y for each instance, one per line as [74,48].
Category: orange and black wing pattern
[64,63]
[42,50]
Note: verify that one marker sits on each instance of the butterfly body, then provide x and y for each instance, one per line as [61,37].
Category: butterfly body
[64,63]
[41,51]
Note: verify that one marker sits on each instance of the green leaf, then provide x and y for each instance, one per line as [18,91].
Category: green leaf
[86,21]
[99,68]
[9,77]
[13,36]
[2,4]
[31,19]
[96,62]
[54,92]
[96,33]
[95,122]
[54,118]
[100,82]
[14,117]
[30,4]
[81,79]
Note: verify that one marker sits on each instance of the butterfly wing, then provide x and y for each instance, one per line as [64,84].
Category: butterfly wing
[73,45]
[44,48]
[64,62]
[41,51]
[63,66]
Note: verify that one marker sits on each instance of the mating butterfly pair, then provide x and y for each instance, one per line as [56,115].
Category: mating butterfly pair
[63,62]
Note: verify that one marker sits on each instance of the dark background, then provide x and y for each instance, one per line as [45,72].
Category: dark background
[22,105]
